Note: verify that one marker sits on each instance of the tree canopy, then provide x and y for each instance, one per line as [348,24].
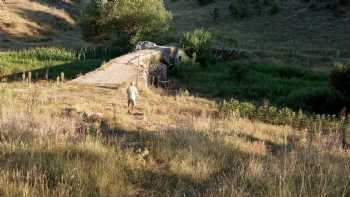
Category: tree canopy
[124,20]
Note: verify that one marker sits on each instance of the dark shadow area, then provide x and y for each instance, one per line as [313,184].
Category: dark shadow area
[84,60]
[165,180]
[171,143]
[46,20]
[71,7]
[271,93]
[71,71]
[44,28]
[258,83]
[52,163]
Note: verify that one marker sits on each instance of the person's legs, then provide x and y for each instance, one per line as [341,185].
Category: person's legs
[132,105]
[129,103]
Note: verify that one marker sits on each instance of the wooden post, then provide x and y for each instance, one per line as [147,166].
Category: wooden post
[29,77]
[158,81]
[346,133]
[47,74]
[24,77]
[62,77]
[138,70]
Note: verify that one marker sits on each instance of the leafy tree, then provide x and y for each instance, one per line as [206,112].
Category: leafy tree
[124,20]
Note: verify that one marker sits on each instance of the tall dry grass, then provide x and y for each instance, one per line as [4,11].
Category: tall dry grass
[173,147]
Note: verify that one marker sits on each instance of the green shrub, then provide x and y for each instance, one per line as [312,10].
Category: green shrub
[280,116]
[92,23]
[340,79]
[197,41]
[274,7]
[239,71]
[319,100]
[134,20]
[184,71]
[245,8]
[290,72]
[215,14]
[205,2]
[239,8]
[198,44]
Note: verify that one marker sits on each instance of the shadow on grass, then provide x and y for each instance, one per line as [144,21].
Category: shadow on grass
[46,20]
[177,146]
[169,146]
[53,163]
[70,70]
[165,170]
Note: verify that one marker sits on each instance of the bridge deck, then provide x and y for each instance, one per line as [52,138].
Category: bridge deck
[121,69]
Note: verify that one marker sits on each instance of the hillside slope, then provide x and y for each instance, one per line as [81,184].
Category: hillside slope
[25,23]
[312,37]
[293,27]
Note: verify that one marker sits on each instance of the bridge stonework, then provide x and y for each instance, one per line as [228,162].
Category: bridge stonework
[140,66]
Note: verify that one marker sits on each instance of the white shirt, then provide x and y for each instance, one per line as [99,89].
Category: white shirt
[132,93]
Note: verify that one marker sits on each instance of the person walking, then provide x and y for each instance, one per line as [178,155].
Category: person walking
[132,94]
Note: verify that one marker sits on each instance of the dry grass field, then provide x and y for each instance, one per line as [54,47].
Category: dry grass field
[72,140]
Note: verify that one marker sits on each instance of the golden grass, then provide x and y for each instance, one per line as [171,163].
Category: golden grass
[171,146]
[25,23]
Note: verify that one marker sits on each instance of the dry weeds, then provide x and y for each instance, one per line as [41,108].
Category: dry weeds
[171,146]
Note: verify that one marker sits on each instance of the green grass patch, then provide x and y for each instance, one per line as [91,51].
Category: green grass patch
[282,86]
[70,61]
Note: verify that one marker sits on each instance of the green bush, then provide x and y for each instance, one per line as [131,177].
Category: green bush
[319,100]
[215,14]
[274,7]
[184,71]
[124,20]
[280,116]
[340,79]
[239,71]
[197,41]
[205,2]
[246,8]
[290,72]
[198,44]
[239,8]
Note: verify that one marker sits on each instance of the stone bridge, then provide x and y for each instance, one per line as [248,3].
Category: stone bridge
[139,66]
